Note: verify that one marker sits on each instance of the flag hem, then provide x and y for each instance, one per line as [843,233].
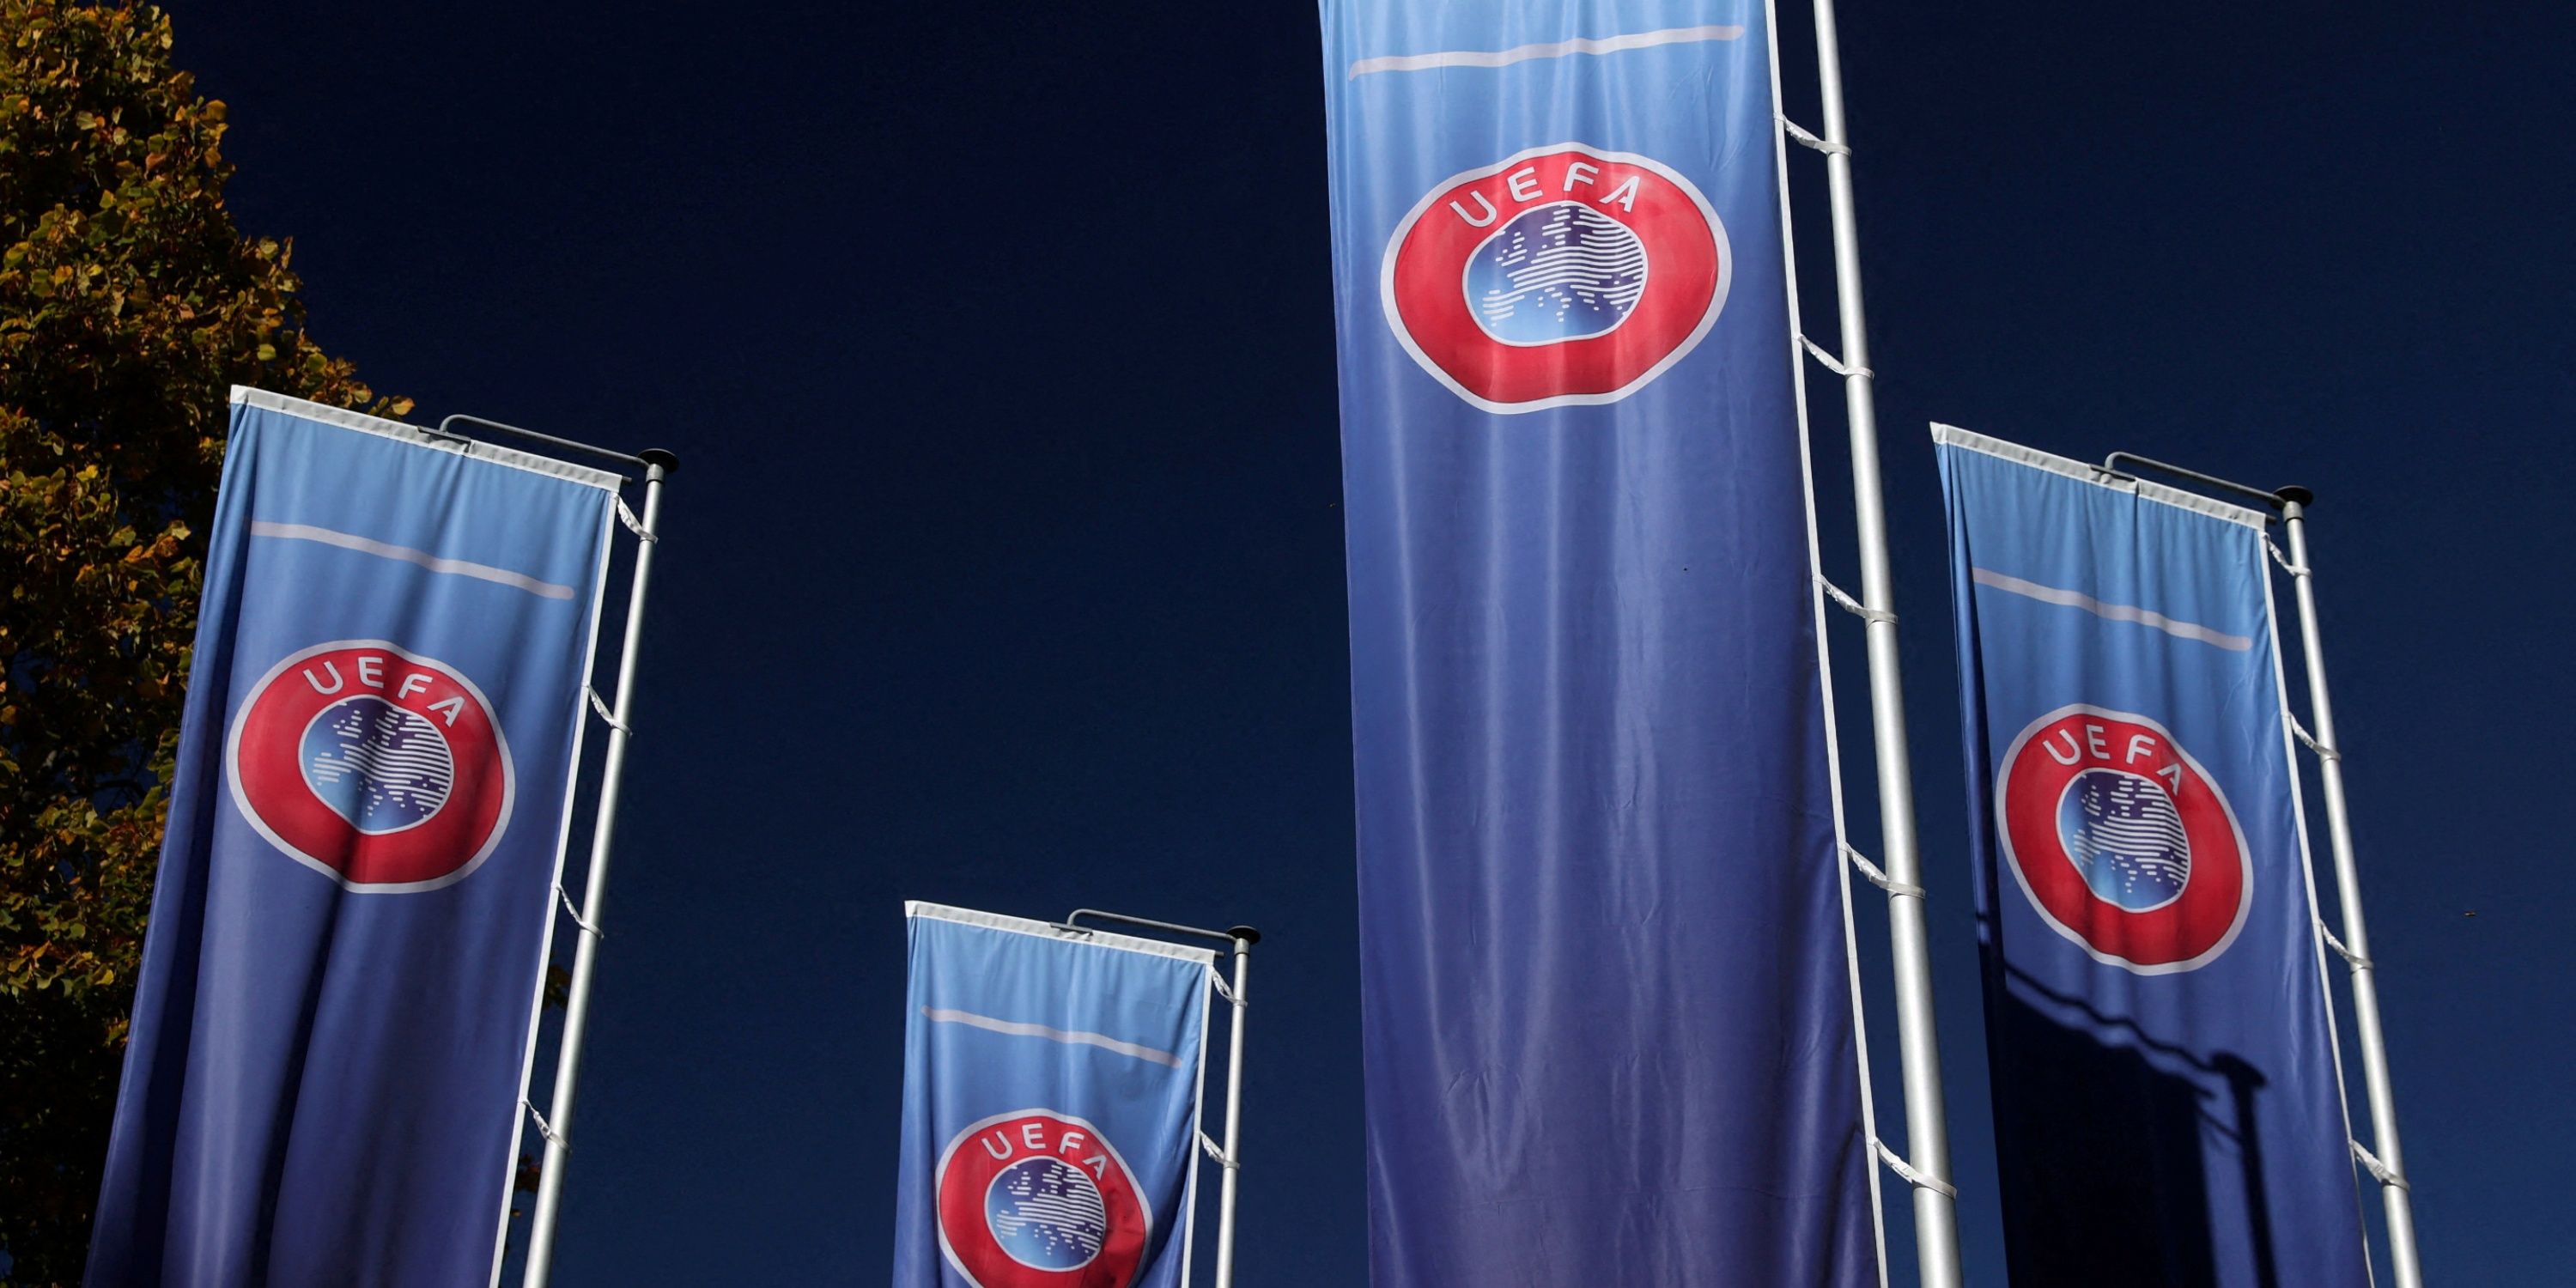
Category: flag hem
[1048,931]
[1953,436]
[245,395]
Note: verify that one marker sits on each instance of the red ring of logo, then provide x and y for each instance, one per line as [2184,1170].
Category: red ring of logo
[264,759]
[2196,925]
[1689,267]
[978,1155]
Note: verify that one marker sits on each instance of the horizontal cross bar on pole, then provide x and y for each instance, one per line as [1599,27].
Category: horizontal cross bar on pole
[669,462]
[2273,499]
[1244,934]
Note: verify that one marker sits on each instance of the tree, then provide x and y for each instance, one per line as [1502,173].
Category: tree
[128,304]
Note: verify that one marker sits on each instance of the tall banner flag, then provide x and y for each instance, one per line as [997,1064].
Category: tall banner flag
[1050,1105]
[335,1013]
[1606,1006]
[2168,1106]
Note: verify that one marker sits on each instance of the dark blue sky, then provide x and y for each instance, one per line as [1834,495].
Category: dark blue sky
[1005,567]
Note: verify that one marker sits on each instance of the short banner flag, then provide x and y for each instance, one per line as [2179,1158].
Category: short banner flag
[1050,1105]
[1606,1026]
[2168,1108]
[334,1018]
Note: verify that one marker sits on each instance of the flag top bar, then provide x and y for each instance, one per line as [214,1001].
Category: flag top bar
[446,440]
[2275,498]
[1058,931]
[649,457]
[2108,474]
[1245,934]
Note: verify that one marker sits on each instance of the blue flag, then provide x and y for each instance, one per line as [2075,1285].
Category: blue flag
[1606,1007]
[333,1022]
[2168,1108]
[1050,1105]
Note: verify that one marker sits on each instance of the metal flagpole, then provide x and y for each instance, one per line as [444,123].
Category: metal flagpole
[557,1127]
[1226,1156]
[1244,936]
[2388,1164]
[1927,1133]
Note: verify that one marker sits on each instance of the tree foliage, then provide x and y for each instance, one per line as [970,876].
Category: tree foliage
[128,304]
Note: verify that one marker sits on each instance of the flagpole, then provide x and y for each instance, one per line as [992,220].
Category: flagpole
[1927,1135]
[557,1126]
[1244,938]
[2387,1165]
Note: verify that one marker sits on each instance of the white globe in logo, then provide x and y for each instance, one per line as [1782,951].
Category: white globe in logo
[2123,834]
[1559,272]
[379,766]
[1047,1214]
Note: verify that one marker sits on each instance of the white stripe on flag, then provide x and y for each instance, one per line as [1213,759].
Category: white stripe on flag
[1019,1030]
[1558,49]
[434,563]
[2110,612]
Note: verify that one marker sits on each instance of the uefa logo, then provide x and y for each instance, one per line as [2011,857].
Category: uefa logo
[1038,1199]
[1562,276]
[377,767]
[2122,841]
